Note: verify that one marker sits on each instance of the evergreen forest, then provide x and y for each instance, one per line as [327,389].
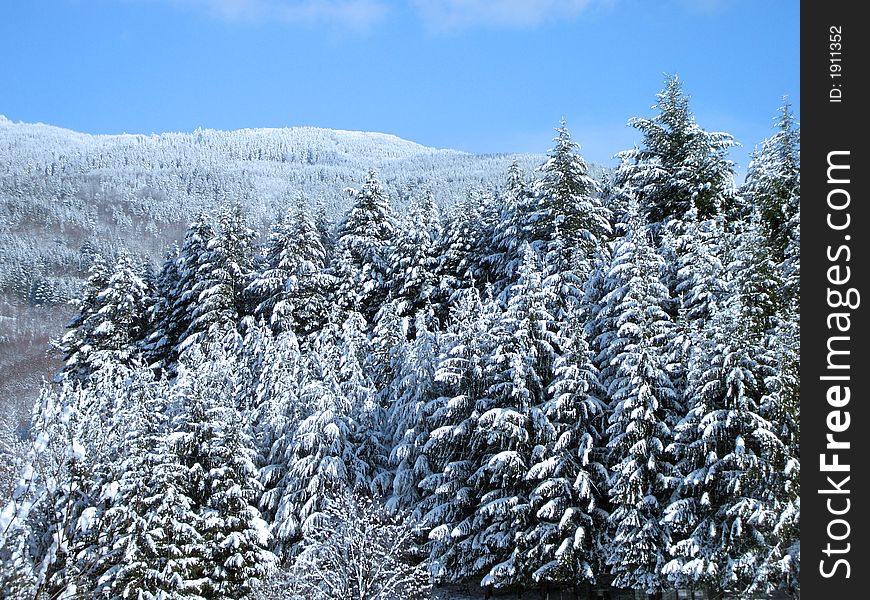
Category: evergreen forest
[569,378]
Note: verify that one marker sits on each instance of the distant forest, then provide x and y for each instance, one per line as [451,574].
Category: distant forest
[520,372]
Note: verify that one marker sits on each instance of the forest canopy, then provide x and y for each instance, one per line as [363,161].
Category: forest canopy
[569,379]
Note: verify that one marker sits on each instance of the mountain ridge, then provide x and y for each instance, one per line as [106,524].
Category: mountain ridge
[286,131]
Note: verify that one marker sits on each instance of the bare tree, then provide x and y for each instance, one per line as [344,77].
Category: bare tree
[358,552]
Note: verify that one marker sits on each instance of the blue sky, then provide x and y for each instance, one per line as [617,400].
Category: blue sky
[475,75]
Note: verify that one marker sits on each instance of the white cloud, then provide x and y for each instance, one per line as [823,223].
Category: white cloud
[446,15]
[355,14]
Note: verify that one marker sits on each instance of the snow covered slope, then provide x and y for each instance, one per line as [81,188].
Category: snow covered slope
[65,196]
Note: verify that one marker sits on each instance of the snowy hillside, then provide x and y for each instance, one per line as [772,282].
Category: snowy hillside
[66,197]
[75,193]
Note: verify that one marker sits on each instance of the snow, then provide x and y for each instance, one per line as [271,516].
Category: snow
[6,515]
[559,370]
[41,442]
[87,519]
[110,491]
[75,451]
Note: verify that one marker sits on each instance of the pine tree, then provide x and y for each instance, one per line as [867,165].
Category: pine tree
[280,408]
[773,185]
[462,254]
[306,290]
[698,252]
[182,299]
[699,283]
[53,506]
[238,535]
[363,242]
[148,542]
[448,502]
[773,182]
[755,278]
[511,230]
[414,391]
[286,290]
[728,455]
[322,455]
[163,331]
[772,326]
[177,557]
[562,544]
[414,259]
[219,457]
[367,412]
[111,323]
[316,466]
[76,340]
[389,348]
[274,268]
[678,163]
[83,421]
[512,428]
[643,405]
[218,286]
[567,205]
[779,569]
